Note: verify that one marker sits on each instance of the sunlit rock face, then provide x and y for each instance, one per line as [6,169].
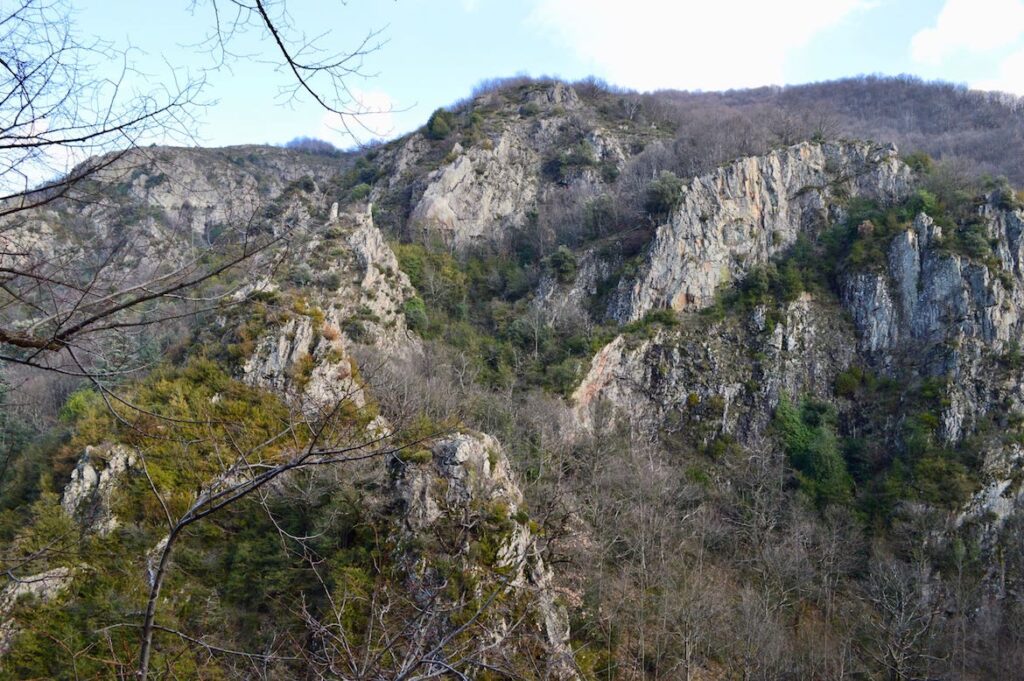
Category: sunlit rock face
[746,212]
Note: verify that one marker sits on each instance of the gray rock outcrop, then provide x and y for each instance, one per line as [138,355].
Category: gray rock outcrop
[749,210]
[44,586]
[741,366]
[950,315]
[482,189]
[467,475]
[89,493]
[308,356]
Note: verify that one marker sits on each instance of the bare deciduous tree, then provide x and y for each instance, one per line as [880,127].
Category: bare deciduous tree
[907,607]
[61,103]
[66,124]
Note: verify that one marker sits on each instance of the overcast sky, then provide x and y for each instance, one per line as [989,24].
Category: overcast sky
[437,50]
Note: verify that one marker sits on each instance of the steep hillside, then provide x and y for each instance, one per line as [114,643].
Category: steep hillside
[570,383]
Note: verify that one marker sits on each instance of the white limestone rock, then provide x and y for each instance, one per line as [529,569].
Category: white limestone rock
[747,211]
[88,494]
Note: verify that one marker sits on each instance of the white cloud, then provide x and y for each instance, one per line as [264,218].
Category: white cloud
[711,44]
[977,26]
[375,118]
[1010,77]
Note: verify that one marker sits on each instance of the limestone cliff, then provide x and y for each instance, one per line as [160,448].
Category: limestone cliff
[467,480]
[729,375]
[952,313]
[747,211]
[480,190]
[309,353]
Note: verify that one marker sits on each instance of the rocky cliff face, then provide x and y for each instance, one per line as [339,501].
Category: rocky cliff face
[726,223]
[203,192]
[467,479]
[480,190]
[563,304]
[309,354]
[955,315]
[89,494]
[747,211]
[728,375]
[477,196]
[926,296]
[928,310]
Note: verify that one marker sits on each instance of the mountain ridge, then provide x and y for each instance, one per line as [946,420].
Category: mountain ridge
[619,420]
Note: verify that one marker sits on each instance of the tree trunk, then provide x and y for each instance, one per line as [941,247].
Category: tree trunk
[154,594]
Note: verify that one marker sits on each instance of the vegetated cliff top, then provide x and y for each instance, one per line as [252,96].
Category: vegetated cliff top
[943,119]
[540,148]
[983,129]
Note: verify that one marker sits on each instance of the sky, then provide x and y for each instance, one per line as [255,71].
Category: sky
[434,52]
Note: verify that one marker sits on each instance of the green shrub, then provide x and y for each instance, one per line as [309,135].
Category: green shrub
[79,404]
[154,180]
[846,384]
[529,109]
[942,481]
[919,161]
[356,330]
[1013,358]
[563,263]
[415,314]
[599,217]
[809,439]
[663,195]
[302,371]
[790,283]
[722,446]
[580,154]
[697,475]
[562,166]
[645,326]
[300,274]
[925,201]
[974,242]
[1003,194]
[563,377]
[440,124]
[416,456]
[800,268]
[359,192]
[851,381]
[609,172]
[329,280]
